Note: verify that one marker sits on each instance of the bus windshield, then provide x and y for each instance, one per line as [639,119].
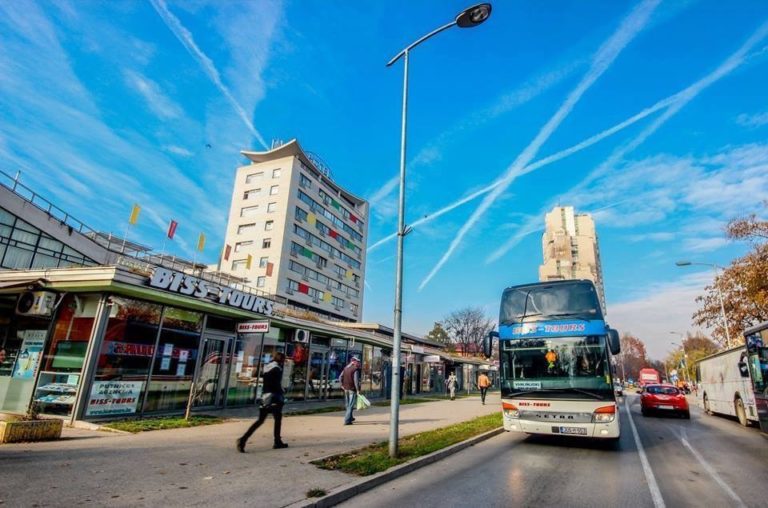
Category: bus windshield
[577,300]
[566,367]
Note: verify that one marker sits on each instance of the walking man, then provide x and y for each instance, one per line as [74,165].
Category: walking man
[272,400]
[350,382]
[452,382]
[484,383]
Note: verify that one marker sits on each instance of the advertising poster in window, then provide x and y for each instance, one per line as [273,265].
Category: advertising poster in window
[29,354]
[114,398]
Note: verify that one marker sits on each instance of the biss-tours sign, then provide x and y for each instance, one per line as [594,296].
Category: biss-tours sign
[185,284]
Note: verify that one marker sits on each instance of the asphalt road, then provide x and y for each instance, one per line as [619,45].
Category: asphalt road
[706,461]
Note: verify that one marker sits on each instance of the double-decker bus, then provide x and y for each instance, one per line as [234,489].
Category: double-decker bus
[555,361]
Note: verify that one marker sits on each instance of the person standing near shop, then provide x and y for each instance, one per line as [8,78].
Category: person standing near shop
[272,401]
[484,383]
[452,382]
[350,382]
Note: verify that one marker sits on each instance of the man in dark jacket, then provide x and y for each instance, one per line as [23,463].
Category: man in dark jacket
[272,400]
[350,382]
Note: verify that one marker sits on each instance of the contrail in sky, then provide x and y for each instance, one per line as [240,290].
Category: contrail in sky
[539,164]
[605,56]
[185,37]
[679,101]
[507,102]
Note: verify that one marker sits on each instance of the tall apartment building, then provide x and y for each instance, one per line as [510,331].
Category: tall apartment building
[295,233]
[570,248]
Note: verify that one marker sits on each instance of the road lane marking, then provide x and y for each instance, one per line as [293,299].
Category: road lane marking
[709,469]
[658,500]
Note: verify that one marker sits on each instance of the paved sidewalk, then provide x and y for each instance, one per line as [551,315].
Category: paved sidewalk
[200,466]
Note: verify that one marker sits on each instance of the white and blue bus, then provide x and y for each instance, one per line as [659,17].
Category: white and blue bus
[555,361]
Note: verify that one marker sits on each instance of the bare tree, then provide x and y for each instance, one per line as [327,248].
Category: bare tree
[467,328]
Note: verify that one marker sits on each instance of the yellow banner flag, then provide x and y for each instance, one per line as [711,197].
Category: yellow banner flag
[348,274]
[201,242]
[134,215]
[248,262]
[327,296]
[312,218]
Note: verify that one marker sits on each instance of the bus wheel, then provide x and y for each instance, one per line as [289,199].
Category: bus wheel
[742,415]
[706,405]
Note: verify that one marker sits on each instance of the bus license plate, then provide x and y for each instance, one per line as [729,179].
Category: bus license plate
[575,431]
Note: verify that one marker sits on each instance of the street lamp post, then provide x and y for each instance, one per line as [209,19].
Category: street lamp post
[719,295]
[471,17]
[685,358]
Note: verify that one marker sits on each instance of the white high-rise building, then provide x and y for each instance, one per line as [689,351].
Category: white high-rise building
[571,248]
[295,233]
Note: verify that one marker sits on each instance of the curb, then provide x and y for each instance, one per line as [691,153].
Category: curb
[345,492]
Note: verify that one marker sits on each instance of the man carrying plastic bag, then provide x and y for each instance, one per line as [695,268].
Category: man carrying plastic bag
[362,402]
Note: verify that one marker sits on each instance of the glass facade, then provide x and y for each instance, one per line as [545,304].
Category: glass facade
[23,246]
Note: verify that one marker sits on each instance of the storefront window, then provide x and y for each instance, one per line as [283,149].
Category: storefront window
[377,373]
[21,349]
[295,369]
[365,373]
[337,359]
[65,354]
[175,359]
[124,358]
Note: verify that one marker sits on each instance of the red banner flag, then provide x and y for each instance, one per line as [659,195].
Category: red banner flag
[270,267]
[172,229]
[227,251]
[303,288]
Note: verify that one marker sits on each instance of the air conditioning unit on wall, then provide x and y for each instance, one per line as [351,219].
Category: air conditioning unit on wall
[36,303]
[301,336]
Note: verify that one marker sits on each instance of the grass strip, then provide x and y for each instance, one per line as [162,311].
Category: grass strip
[314,411]
[375,458]
[163,422]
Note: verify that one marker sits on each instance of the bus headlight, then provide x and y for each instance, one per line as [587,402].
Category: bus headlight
[510,410]
[605,414]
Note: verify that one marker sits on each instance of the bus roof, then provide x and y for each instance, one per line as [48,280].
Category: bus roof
[721,353]
[757,328]
[552,283]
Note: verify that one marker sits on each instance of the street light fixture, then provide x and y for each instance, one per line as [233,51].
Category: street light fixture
[468,18]
[716,268]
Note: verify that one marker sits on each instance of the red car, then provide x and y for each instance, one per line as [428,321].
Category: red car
[663,398]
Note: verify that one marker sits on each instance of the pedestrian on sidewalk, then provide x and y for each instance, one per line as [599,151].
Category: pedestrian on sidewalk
[350,382]
[272,401]
[452,382]
[484,383]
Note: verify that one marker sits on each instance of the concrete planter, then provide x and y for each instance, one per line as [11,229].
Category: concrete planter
[30,430]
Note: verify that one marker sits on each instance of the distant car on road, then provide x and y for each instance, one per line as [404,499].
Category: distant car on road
[664,398]
[619,389]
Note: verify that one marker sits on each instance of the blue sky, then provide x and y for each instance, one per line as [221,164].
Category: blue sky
[104,104]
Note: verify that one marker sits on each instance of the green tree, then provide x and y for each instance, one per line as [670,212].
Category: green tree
[438,334]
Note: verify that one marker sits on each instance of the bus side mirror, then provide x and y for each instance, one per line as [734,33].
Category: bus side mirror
[614,343]
[488,343]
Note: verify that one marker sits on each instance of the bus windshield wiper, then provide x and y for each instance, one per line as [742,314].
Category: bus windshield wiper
[585,392]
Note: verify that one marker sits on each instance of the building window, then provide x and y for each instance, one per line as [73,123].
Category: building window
[266,243]
[273,190]
[245,228]
[301,215]
[304,181]
[260,281]
[254,177]
[253,193]
[263,262]
[337,302]
[239,264]
[271,207]
[269,225]
[276,173]
[249,211]
[239,246]
[353,308]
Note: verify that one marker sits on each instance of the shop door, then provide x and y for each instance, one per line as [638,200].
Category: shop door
[317,381]
[210,382]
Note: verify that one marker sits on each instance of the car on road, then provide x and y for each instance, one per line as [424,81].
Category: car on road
[667,398]
[619,389]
